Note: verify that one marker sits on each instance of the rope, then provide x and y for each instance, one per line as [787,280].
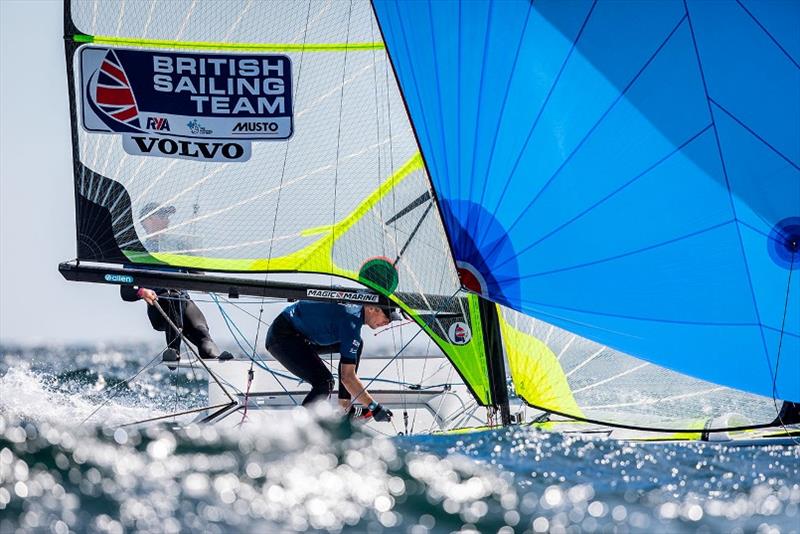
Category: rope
[238,301]
[125,383]
[780,346]
[229,323]
[193,351]
[247,394]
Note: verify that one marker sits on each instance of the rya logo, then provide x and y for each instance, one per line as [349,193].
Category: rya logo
[158,124]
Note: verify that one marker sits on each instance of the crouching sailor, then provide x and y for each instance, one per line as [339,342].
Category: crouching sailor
[307,329]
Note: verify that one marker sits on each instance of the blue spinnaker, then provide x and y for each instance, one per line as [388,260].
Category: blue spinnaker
[628,171]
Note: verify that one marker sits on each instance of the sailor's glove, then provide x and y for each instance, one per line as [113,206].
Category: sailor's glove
[359,412]
[379,413]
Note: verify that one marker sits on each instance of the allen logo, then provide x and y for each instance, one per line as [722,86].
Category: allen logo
[118,278]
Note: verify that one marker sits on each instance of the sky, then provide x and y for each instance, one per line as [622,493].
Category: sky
[36,200]
[37,217]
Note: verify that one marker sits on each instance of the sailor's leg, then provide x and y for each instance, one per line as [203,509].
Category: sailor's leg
[196,330]
[344,395]
[158,322]
[299,358]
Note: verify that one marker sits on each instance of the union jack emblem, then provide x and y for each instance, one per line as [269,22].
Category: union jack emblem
[113,92]
[461,333]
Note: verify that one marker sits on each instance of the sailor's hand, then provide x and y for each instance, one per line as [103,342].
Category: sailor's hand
[148,295]
[379,413]
[359,412]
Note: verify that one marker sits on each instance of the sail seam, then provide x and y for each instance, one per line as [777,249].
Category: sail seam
[730,192]
[750,130]
[606,198]
[607,380]
[550,92]
[587,135]
[632,317]
[501,115]
[640,402]
[478,115]
[438,94]
[768,34]
[618,256]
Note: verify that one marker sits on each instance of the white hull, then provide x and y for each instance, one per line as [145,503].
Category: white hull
[425,393]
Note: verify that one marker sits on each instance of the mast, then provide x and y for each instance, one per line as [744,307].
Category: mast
[495,363]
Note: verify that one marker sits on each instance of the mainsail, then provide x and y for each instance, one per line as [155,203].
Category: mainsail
[626,171]
[275,134]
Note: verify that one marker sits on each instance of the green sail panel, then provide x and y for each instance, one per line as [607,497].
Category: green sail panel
[343,186]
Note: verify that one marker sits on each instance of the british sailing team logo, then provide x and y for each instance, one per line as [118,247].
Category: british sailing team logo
[186,105]
[113,97]
[459,333]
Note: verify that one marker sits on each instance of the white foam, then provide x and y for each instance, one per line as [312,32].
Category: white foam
[31,395]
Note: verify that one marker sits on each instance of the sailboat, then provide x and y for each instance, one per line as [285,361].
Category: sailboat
[591,209]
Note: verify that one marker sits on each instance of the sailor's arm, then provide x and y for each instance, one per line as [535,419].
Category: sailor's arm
[354,385]
[132,294]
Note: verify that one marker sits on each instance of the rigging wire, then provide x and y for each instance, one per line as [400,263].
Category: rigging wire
[250,374]
[237,304]
[780,346]
[339,139]
[231,325]
[193,351]
[213,375]
[119,385]
[175,383]
[438,408]
[252,356]
[394,226]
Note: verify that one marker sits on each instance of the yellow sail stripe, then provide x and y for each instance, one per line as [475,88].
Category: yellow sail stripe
[239,47]
[316,257]
[537,374]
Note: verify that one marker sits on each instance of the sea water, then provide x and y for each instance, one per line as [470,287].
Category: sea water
[67,465]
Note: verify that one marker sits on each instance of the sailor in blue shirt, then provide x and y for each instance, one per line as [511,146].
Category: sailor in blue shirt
[305,329]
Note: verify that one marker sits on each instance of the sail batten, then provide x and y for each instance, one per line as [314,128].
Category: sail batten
[241,47]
